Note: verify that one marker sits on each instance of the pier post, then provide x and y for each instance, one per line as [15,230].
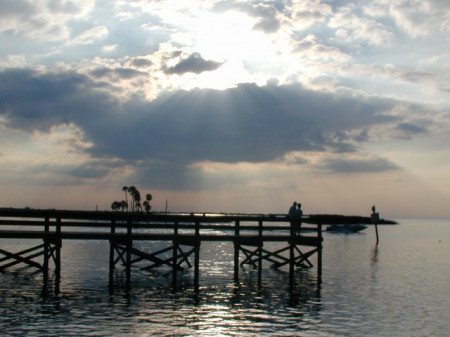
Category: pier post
[291,253]
[46,255]
[58,244]
[111,253]
[319,253]
[128,257]
[375,218]
[236,251]
[175,256]
[376,232]
[197,257]
[260,250]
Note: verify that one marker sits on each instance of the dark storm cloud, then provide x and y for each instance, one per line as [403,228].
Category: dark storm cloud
[361,165]
[33,101]
[121,73]
[410,128]
[16,8]
[141,63]
[193,64]
[247,123]
[82,171]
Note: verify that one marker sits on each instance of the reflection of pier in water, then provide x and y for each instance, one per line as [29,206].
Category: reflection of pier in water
[253,236]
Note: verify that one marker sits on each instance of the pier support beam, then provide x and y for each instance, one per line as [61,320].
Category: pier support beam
[50,249]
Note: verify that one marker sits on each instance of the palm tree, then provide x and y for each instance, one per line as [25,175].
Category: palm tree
[115,206]
[146,206]
[137,200]
[124,205]
[125,189]
[132,190]
[146,203]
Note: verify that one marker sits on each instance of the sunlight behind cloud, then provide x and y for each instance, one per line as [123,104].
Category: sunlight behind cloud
[229,38]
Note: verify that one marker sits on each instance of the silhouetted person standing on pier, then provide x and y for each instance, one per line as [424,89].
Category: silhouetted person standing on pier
[295,215]
[293,210]
[298,218]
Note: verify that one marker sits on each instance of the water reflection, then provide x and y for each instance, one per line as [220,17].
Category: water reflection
[222,308]
[374,256]
[258,302]
[395,289]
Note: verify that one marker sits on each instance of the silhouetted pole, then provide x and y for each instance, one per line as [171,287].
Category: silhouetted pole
[375,217]
[376,231]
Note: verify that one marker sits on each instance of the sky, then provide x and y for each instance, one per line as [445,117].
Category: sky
[227,106]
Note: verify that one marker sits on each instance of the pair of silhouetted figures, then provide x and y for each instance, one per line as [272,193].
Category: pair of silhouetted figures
[295,214]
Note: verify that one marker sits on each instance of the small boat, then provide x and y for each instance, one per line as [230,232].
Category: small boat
[346,228]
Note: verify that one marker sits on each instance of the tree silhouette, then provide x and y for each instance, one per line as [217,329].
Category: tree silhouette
[124,205]
[132,190]
[116,205]
[135,201]
[146,203]
[125,189]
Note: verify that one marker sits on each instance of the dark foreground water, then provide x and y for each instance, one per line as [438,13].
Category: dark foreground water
[400,288]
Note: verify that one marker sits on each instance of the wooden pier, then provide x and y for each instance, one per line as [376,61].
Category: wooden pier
[183,235]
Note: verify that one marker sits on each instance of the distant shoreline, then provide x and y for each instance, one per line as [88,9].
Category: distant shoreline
[311,218]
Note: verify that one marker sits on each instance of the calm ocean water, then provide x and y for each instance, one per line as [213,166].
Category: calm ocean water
[399,288]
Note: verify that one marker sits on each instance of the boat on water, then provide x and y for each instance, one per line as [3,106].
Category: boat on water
[346,228]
